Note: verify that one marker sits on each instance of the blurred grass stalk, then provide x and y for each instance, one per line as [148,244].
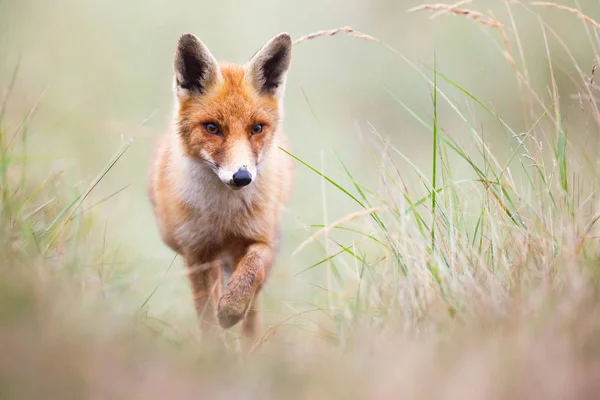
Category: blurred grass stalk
[489,292]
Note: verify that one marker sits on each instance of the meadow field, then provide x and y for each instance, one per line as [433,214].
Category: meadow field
[443,241]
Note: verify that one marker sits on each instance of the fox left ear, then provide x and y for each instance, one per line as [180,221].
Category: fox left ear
[268,67]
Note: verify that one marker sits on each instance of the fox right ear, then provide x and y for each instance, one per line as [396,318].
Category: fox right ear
[268,67]
[195,67]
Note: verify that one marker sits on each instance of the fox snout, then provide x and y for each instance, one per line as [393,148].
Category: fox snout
[242,178]
[237,179]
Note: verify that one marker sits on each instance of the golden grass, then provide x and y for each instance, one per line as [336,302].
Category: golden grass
[489,21]
[454,9]
[332,32]
[450,8]
[572,10]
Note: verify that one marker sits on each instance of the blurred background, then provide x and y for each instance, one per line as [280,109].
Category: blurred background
[100,73]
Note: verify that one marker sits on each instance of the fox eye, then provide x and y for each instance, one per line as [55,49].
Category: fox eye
[211,128]
[258,128]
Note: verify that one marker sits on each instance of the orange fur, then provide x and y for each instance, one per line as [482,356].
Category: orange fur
[204,220]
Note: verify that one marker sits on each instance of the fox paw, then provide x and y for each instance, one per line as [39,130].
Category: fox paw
[232,309]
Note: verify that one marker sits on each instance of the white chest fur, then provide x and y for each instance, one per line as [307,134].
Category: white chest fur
[218,211]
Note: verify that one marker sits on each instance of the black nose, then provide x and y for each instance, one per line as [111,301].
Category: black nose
[242,178]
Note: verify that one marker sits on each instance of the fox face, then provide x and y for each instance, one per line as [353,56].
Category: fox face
[228,115]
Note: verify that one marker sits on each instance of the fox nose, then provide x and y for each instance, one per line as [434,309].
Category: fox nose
[242,177]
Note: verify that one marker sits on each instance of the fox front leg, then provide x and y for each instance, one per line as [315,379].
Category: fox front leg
[247,279]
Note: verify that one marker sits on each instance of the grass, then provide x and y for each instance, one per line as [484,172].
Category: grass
[480,283]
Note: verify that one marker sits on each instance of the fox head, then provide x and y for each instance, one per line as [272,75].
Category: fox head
[228,115]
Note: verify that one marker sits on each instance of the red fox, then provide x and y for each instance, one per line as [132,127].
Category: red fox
[218,182]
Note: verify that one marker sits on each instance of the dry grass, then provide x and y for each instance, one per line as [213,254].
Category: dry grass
[456,10]
[451,7]
[332,32]
[572,10]
[489,21]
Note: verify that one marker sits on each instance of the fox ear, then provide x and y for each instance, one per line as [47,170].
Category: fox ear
[269,65]
[195,67]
